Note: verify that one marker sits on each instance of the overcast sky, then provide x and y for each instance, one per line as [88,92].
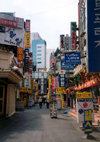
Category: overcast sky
[49,18]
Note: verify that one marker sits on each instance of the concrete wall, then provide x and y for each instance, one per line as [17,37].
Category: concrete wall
[5,59]
[10,108]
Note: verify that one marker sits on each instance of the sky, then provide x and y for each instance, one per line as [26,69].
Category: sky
[50,18]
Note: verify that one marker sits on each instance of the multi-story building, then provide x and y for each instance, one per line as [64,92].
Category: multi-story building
[88,71]
[48,53]
[38,48]
[11,43]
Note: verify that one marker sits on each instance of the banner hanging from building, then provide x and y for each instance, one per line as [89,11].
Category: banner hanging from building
[93,35]
[27,40]
[71,58]
[65,66]
[27,26]
[20,54]
[62,80]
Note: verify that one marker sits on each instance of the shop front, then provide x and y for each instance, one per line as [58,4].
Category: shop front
[93,86]
[8,81]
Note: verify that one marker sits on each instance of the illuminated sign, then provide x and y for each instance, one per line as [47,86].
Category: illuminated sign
[87,84]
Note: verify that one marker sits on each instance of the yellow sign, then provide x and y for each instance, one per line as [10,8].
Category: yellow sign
[27,40]
[30,91]
[61,90]
[88,115]
[88,124]
[22,88]
[32,83]
[83,95]
[37,92]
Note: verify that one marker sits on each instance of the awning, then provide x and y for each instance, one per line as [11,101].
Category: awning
[11,76]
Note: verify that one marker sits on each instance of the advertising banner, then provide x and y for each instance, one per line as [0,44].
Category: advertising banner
[62,80]
[62,42]
[73,35]
[8,16]
[73,58]
[27,40]
[11,36]
[65,66]
[27,80]
[20,22]
[93,35]
[27,26]
[20,54]
[88,121]
[32,83]
[84,102]
[9,23]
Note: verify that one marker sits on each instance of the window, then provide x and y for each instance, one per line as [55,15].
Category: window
[38,54]
[39,58]
[38,50]
[39,62]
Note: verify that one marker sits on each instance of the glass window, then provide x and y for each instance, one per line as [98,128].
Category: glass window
[38,50]
[39,62]
[38,54]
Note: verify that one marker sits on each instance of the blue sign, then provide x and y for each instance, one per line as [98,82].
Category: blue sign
[62,80]
[65,66]
[87,121]
[93,35]
[73,58]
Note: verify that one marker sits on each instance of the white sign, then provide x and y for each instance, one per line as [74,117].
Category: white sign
[12,36]
[27,80]
[84,104]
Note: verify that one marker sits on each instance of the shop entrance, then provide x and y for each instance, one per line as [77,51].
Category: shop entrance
[2,94]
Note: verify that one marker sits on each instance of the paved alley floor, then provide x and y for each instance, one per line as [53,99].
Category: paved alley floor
[35,125]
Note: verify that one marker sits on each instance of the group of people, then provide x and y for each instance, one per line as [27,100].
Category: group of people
[41,101]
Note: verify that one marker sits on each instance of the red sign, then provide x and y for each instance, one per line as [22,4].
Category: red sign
[27,26]
[52,61]
[87,84]
[73,40]
[9,23]
[54,84]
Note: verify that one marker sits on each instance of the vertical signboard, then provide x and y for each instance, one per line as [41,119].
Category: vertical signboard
[84,102]
[27,40]
[73,35]
[62,80]
[20,54]
[87,121]
[27,26]
[62,42]
[93,35]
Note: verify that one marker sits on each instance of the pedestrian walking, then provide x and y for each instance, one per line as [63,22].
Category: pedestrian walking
[47,103]
[40,102]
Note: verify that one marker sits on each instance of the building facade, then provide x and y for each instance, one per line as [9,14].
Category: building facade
[38,48]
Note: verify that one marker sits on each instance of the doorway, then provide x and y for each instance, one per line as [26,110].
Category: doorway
[2,99]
